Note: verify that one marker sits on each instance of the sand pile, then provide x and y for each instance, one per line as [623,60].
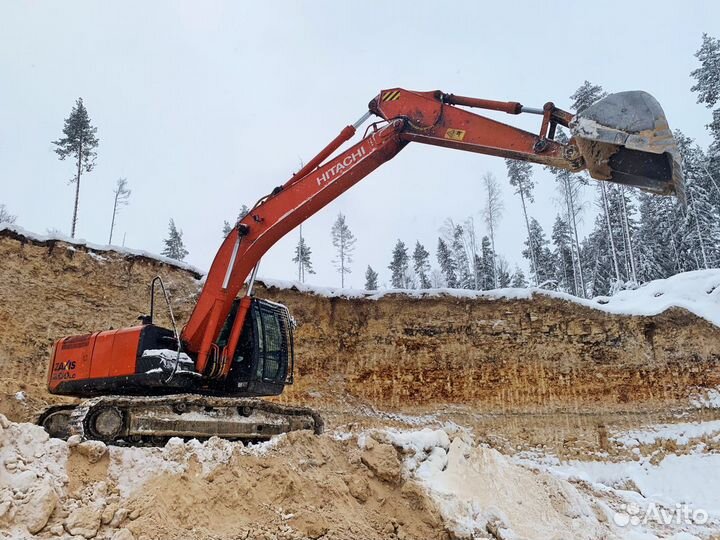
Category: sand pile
[294,487]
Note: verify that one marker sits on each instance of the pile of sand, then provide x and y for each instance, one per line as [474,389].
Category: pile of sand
[294,487]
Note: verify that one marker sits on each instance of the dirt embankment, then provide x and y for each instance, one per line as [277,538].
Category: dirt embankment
[537,355]
[398,352]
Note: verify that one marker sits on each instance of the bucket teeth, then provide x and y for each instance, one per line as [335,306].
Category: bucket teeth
[625,138]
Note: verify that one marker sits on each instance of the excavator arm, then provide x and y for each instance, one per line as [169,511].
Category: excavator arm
[639,154]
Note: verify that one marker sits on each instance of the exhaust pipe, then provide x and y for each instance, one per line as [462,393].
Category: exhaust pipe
[625,138]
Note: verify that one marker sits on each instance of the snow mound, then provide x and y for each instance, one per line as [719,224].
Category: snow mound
[480,491]
[32,477]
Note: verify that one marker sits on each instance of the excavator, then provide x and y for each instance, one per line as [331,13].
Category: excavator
[145,383]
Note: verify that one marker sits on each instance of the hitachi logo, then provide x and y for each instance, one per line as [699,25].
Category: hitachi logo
[340,166]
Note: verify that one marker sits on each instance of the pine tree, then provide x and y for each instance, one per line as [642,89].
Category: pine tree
[701,232]
[343,241]
[371,279]
[492,212]
[708,74]
[6,216]
[520,177]
[503,272]
[562,241]
[302,258]
[464,278]
[448,267]
[659,234]
[421,265]
[543,264]
[399,267]
[586,95]
[489,272]
[79,142]
[174,245]
[122,194]
[518,278]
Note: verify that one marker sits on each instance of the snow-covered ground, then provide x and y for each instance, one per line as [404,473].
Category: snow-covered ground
[479,489]
[698,292]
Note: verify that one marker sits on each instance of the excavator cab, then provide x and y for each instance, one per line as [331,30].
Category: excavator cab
[625,138]
[264,360]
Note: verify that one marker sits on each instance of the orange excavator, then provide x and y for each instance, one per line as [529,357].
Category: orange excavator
[145,383]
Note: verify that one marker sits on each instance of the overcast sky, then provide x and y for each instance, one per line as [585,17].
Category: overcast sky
[205,106]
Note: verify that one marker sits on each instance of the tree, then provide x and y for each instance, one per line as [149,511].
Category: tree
[587,94]
[518,278]
[487,265]
[421,265]
[344,242]
[708,74]
[79,142]
[399,267]
[244,211]
[584,96]
[492,212]
[5,216]
[503,270]
[122,194]
[520,176]
[562,242]
[570,187]
[302,258]
[543,264]
[371,277]
[174,246]
[701,234]
[448,267]
[465,279]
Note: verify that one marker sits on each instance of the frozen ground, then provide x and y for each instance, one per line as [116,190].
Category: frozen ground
[479,491]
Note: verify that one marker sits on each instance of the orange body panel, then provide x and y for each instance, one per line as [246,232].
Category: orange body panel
[92,356]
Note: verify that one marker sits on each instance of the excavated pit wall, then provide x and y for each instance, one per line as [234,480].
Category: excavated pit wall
[499,355]
[537,355]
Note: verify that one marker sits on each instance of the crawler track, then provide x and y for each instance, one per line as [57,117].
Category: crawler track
[132,420]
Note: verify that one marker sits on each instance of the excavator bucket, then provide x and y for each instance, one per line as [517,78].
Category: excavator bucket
[625,138]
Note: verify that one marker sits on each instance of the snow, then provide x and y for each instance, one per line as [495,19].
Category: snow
[52,236]
[169,355]
[709,399]
[476,488]
[697,292]
[681,433]
[690,479]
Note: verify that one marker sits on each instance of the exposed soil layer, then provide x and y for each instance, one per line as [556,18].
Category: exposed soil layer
[496,356]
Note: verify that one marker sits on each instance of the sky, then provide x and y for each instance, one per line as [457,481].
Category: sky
[205,106]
